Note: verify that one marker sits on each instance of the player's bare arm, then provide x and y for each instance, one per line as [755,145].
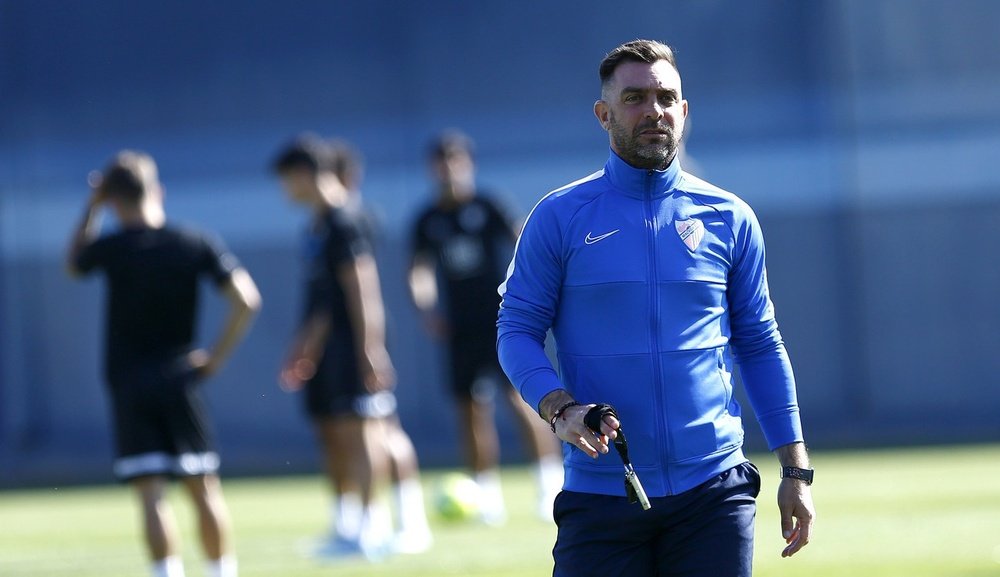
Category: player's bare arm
[567,421]
[87,230]
[244,303]
[363,296]
[795,500]
[304,354]
[422,283]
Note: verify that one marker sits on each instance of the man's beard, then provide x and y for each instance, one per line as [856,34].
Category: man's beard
[655,155]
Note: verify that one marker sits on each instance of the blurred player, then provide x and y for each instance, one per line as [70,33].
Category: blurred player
[152,368]
[339,356]
[464,239]
[413,535]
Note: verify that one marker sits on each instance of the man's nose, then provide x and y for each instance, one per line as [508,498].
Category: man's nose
[656,110]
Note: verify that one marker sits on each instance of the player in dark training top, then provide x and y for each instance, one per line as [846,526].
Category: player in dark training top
[152,365]
[464,239]
[339,357]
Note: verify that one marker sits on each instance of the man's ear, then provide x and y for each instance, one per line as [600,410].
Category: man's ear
[154,193]
[602,112]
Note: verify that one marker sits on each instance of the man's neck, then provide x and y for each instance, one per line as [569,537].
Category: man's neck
[456,195]
[644,163]
[330,193]
[144,215]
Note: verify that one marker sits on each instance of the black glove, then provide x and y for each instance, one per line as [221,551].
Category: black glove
[593,419]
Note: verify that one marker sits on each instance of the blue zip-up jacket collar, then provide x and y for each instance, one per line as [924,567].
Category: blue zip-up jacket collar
[641,182]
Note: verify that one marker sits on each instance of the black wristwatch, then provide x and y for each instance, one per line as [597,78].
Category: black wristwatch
[797,473]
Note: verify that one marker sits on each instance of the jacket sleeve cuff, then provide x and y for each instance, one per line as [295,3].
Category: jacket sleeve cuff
[781,428]
[539,384]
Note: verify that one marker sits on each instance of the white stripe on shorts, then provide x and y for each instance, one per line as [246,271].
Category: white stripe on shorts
[159,463]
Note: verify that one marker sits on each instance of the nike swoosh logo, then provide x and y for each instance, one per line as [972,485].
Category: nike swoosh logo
[600,237]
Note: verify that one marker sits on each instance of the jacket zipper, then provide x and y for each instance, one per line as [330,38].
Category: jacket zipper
[660,416]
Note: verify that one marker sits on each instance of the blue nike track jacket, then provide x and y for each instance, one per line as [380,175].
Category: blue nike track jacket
[652,283]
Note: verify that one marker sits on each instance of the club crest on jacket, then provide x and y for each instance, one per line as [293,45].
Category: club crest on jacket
[691,232]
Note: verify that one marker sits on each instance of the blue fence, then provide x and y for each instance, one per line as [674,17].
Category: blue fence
[864,136]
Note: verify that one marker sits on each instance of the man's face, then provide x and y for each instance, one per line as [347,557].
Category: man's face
[643,110]
[455,168]
[299,184]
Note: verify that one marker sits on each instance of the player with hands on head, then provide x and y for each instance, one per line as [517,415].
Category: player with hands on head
[654,286]
[152,367]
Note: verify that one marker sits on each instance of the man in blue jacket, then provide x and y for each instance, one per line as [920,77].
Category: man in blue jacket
[653,284]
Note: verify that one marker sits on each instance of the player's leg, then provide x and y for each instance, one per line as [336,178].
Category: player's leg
[334,463]
[159,525]
[473,396]
[543,448]
[483,445]
[215,528]
[539,442]
[335,451]
[327,401]
[481,440]
[474,399]
[714,535]
[402,454]
[195,461]
[369,467]
[144,461]
[358,439]
[413,534]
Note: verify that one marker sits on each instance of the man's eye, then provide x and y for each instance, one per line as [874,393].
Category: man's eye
[668,99]
[632,98]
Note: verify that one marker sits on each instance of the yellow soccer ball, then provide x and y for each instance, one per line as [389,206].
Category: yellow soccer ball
[457,497]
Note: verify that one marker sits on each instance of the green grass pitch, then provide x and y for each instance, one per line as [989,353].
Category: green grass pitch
[915,512]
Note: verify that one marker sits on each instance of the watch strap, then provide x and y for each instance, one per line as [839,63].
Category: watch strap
[805,475]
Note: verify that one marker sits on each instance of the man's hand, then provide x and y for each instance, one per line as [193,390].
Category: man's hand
[795,502]
[94,180]
[202,362]
[569,426]
[797,514]
[90,225]
[305,354]
[435,324]
[295,373]
[377,370]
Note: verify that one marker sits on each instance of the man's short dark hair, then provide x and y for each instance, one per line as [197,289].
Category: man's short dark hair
[346,162]
[450,142]
[128,176]
[306,151]
[648,51]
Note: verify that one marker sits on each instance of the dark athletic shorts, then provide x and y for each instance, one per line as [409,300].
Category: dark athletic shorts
[161,425]
[475,370]
[704,532]
[337,390]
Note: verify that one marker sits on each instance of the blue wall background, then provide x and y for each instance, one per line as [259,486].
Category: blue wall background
[864,134]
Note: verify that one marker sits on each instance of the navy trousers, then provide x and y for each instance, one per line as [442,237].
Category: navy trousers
[704,532]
